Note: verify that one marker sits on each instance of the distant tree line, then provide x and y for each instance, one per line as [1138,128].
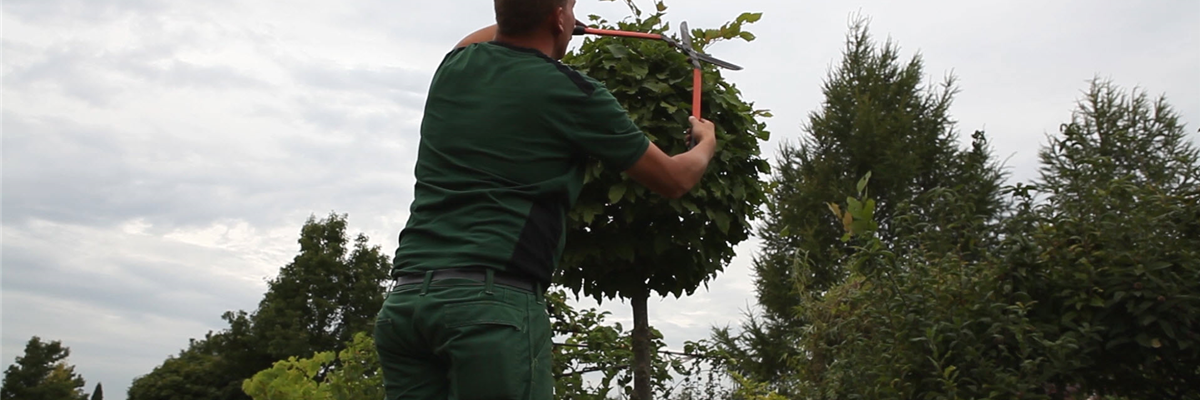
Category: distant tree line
[43,373]
[896,264]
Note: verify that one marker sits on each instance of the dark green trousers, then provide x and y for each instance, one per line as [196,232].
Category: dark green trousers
[459,339]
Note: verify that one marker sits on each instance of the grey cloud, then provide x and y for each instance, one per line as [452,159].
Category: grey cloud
[52,172]
[381,81]
[334,117]
[72,12]
[129,282]
[102,175]
[66,69]
[183,74]
[88,10]
[98,78]
[441,22]
[62,171]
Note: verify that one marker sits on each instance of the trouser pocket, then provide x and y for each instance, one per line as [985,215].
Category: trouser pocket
[487,344]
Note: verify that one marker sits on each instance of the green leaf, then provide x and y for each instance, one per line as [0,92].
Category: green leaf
[749,18]
[862,183]
[853,206]
[1146,320]
[589,213]
[656,86]
[1167,328]
[671,108]
[688,204]
[639,70]
[1143,340]
[722,220]
[616,192]
[860,226]
[618,50]
[1117,296]
[747,36]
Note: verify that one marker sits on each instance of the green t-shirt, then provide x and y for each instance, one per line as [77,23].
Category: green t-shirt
[506,136]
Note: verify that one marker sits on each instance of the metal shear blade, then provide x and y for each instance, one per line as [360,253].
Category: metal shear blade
[686,37]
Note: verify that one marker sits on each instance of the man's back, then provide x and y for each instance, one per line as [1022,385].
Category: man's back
[503,143]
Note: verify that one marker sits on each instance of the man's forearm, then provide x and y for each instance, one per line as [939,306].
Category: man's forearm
[486,34]
[693,163]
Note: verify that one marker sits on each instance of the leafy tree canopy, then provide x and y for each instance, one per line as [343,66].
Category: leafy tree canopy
[42,373]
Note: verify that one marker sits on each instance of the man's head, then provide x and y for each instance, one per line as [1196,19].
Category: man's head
[530,18]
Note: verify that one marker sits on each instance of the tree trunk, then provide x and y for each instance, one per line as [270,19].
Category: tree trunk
[641,348]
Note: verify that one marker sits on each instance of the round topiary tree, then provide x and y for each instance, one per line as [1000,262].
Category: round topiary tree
[625,241]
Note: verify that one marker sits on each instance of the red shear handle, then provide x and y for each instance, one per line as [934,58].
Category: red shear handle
[609,32]
[696,86]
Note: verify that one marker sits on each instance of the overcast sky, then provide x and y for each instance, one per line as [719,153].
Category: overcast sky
[159,157]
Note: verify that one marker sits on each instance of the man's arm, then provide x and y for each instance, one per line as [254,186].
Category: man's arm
[486,34]
[674,176]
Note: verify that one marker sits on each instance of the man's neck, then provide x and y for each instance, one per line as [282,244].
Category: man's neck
[539,43]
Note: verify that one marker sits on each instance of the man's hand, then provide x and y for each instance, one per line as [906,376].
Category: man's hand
[702,130]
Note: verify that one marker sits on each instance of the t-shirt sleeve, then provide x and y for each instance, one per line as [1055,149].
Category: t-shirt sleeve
[603,129]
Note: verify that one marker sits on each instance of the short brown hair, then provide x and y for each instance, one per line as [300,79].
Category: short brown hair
[520,17]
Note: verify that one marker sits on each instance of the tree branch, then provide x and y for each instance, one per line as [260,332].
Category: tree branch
[674,353]
[593,369]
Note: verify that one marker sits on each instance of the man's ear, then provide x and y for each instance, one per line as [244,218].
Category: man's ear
[556,21]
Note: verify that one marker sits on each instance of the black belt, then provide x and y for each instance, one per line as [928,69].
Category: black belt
[478,275]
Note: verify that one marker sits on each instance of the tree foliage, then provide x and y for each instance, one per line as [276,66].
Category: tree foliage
[1112,254]
[878,117]
[1087,286]
[98,392]
[924,284]
[42,373]
[922,322]
[357,375]
[330,291]
[209,368]
[693,237]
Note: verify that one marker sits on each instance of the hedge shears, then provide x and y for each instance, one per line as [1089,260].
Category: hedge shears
[684,44]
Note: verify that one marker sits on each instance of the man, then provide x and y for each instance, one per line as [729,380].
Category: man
[506,135]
